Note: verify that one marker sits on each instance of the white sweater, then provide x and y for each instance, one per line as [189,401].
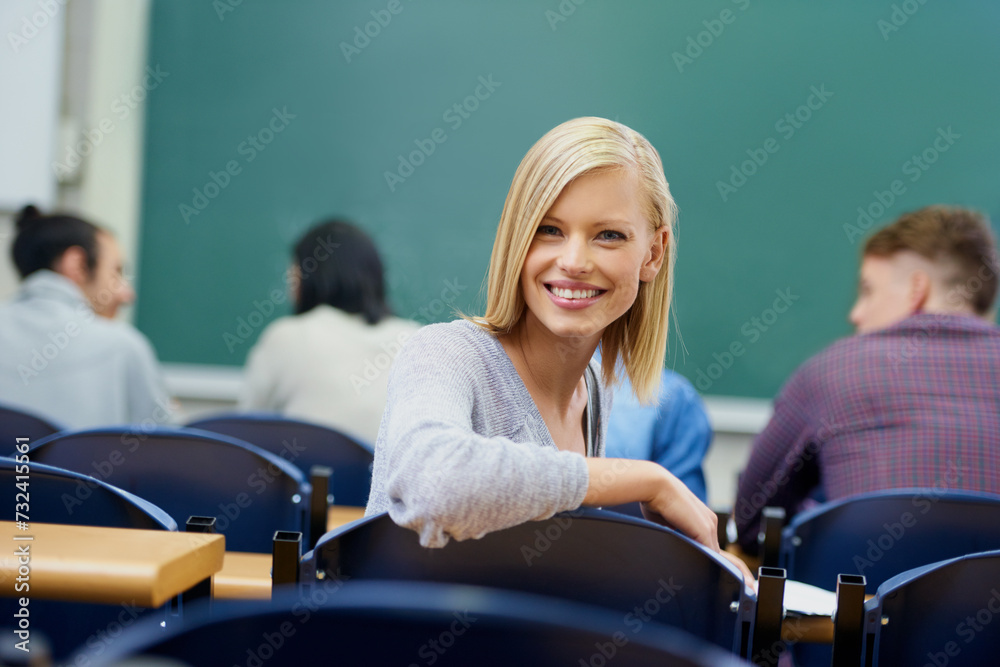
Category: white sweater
[325,366]
[462,449]
[59,360]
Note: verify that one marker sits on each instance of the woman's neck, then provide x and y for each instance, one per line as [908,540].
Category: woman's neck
[550,366]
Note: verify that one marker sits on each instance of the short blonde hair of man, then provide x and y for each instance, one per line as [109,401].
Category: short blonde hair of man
[952,237]
[584,146]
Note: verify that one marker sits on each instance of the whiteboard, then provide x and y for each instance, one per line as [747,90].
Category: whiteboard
[30,77]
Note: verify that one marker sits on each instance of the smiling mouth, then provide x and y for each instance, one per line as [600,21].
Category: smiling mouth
[574,293]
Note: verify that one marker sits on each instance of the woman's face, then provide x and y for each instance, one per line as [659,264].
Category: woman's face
[589,253]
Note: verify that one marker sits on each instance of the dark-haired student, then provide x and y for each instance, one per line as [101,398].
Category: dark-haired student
[62,356]
[328,363]
[912,400]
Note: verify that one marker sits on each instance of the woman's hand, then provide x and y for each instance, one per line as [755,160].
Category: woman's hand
[665,499]
[676,506]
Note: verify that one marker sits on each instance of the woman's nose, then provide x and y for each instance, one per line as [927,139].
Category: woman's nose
[575,256]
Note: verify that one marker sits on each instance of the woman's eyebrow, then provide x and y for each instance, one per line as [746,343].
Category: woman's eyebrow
[608,221]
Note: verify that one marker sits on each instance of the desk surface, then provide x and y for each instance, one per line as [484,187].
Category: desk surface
[248,576]
[109,565]
[338,515]
[244,576]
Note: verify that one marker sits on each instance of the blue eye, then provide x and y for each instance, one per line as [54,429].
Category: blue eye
[611,235]
[548,229]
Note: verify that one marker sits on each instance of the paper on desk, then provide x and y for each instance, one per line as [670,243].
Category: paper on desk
[807,600]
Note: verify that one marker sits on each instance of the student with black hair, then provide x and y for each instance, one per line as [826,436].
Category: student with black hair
[329,362]
[62,356]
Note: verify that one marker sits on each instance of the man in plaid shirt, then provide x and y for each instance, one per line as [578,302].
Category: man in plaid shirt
[912,400]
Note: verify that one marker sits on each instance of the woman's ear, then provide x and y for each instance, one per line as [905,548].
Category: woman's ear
[655,255]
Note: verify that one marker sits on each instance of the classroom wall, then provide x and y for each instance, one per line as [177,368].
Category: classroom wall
[777,122]
[30,69]
[930,71]
[98,152]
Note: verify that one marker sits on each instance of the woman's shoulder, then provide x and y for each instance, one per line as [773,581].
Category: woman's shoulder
[282,329]
[457,353]
[458,346]
[458,337]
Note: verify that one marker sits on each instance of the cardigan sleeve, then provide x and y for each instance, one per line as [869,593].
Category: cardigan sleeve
[437,474]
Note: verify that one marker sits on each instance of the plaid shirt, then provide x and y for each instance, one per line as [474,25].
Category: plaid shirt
[913,405]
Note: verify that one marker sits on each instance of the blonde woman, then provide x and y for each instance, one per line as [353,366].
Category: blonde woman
[494,421]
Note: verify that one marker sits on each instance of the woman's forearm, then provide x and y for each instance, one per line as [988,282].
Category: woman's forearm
[619,481]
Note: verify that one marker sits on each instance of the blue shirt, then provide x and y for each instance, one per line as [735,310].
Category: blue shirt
[675,433]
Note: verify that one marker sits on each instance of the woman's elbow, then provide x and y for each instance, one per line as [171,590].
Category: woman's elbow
[435,511]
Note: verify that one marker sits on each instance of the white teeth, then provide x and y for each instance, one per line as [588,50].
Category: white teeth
[574,294]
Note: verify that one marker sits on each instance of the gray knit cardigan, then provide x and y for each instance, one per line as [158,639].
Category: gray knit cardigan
[462,450]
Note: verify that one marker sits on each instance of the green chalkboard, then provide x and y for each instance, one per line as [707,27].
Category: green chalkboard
[776,122]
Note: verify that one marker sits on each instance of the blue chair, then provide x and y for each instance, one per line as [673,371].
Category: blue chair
[251,492]
[16,423]
[61,496]
[406,623]
[305,445]
[945,613]
[879,535]
[640,569]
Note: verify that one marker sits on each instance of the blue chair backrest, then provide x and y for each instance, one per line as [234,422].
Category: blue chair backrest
[15,423]
[305,445]
[642,570]
[882,534]
[251,492]
[67,497]
[61,496]
[406,623]
[946,613]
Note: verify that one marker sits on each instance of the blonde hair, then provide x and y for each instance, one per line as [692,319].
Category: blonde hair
[583,146]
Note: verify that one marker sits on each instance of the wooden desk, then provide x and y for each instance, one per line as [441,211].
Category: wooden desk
[338,515]
[808,629]
[108,565]
[244,576]
[247,576]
